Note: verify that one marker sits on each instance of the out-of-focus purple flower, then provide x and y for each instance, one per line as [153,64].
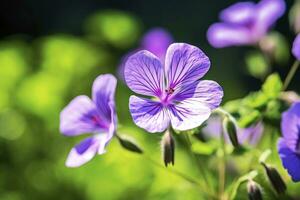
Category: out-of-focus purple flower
[289,144]
[245,23]
[296,47]
[179,97]
[156,41]
[250,135]
[96,116]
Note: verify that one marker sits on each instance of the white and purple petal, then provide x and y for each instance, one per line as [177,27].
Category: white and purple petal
[80,116]
[83,152]
[188,114]
[296,47]
[290,160]
[149,115]
[144,74]
[184,64]
[103,93]
[221,35]
[205,92]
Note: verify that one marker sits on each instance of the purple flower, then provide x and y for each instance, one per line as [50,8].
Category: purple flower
[296,47]
[250,135]
[179,97]
[245,23]
[96,116]
[156,41]
[289,144]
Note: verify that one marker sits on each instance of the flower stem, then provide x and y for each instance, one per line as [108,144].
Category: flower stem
[290,75]
[222,168]
[198,163]
[183,176]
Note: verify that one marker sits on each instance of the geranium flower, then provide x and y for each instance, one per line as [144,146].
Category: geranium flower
[245,23]
[289,144]
[296,47]
[179,97]
[155,40]
[96,116]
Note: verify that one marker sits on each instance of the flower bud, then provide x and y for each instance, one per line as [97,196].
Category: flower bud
[294,17]
[229,127]
[254,191]
[129,144]
[168,148]
[275,179]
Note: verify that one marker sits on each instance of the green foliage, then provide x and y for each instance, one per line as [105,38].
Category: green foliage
[257,64]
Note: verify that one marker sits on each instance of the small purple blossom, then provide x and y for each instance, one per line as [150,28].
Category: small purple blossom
[96,116]
[289,144]
[250,135]
[179,97]
[245,23]
[156,40]
[296,47]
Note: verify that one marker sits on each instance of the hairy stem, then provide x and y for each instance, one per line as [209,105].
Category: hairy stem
[290,75]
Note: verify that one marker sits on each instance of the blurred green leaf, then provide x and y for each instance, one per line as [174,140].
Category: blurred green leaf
[257,64]
[118,28]
[272,86]
[204,148]
[248,119]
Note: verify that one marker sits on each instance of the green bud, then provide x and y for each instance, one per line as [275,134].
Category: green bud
[254,190]
[168,148]
[229,127]
[129,144]
[275,179]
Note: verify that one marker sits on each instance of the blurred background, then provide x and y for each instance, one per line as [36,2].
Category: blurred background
[52,50]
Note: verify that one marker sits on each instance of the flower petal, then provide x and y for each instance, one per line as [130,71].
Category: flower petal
[290,160]
[290,126]
[184,64]
[221,35]
[188,114]
[205,92]
[82,152]
[239,13]
[157,41]
[144,74]
[296,47]
[148,114]
[78,117]
[103,93]
[268,11]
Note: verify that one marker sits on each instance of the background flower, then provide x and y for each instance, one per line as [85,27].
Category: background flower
[181,98]
[245,23]
[96,116]
[296,47]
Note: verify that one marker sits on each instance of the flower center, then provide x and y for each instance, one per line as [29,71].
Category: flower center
[166,97]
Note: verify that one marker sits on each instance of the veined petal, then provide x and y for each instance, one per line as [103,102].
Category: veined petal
[144,74]
[239,13]
[82,152]
[290,160]
[80,117]
[205,92]
[184,64]
[149,115]
[188,114]
[268,12]
[222,35]
[103,93]
[290,127]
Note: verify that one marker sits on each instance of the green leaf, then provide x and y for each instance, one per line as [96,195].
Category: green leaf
[272,86]
[129,144]
[248,119]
